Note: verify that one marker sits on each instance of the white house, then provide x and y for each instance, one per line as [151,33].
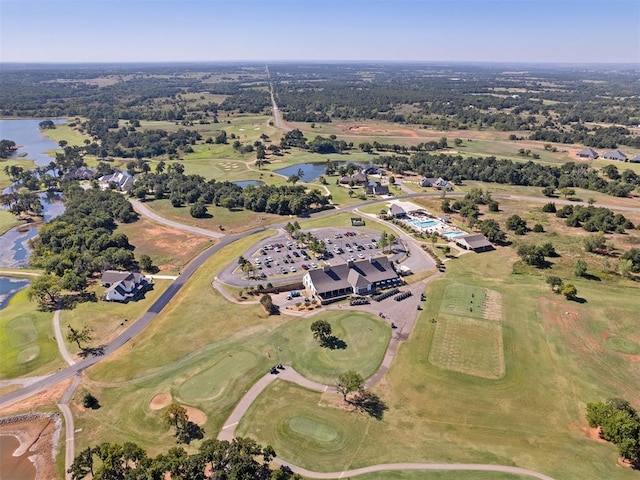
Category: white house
[121,180]
[124,286]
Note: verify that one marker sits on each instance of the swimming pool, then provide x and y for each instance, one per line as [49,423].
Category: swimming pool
[423,223]
[453,234]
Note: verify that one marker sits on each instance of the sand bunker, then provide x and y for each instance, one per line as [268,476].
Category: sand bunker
[195,415]
[159,401]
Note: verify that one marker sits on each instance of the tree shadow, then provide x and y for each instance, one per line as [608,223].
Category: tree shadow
[333,343]
[589,276]
[69,302]
[191,431]
[92,351]
[370,403]
[578,300]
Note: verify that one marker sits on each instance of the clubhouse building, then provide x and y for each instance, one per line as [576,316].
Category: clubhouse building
[362,277]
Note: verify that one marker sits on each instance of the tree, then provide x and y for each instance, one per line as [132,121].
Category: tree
[567,192]
[595,242]
[349,382]
[146,263]
[199,210]
[47,124]
[625,267]
[633,255]
[538,228]
[531,255]
[491,229]
[580,268]
[84,335]
[569,291]
[549,207]
[46,290]
[516,223]
[321,330]
[555,283]
[548,191]
[175,416]
[89,401]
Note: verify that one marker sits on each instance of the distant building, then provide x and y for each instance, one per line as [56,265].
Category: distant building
[588,153]
[615,155]
[396,210]
[362,277]
[82,173]
[635,159]
[437,183]
[124,286]
[122,181]
[476,242]
[375,188]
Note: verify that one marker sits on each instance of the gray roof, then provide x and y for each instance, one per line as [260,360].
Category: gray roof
[635,159]
[588,152]
[396,209]
[347,275]
[616,155]
[474,241]
[123,180]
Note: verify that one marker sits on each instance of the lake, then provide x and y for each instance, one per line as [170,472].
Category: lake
[14,244]
[311,170]
[249,183]
[26,133]
[9,287]
[15,468]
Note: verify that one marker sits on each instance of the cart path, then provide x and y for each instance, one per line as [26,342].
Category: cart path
[147,212]
[62,347]
[385,467]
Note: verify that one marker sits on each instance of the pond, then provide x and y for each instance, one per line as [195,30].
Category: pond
[249,183]
[9,287]
[311,170]
[14,244]
[15,468]
[27,135]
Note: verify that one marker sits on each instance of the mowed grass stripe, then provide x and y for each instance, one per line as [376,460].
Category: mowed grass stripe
[467,345]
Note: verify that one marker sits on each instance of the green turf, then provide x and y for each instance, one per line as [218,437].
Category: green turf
[313,429]
[439,475]
[623,345]
[464,300]
[7,221]
[27,344]
[21,331]
[467,345]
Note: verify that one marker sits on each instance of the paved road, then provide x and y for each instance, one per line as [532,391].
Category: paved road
[276,111]
[143,210]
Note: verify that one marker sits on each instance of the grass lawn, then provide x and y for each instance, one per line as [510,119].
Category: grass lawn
[5,181]
[232,221]
[8,221]
[27,343]
[65,132]
[439,475]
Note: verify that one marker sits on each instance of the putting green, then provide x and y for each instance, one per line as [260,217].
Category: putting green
[623,345]
[472,302]
[28,354]
[210,383]
[309,427]
[21,331]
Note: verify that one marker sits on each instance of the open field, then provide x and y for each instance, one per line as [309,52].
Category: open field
[159,242]
[438,475]
[27,344]
[532,417]
[231,221]
[66,133]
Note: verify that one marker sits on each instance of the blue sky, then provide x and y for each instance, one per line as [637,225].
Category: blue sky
[565,31]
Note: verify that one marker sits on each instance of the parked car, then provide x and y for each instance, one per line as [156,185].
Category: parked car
[313,265]
[304,266]
[292,269]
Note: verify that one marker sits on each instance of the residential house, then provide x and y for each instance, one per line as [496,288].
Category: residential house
[476,242]
[615,155]
[375,188]
[362,277]
[357,178]
[124,286]
[635,159]
[588,153]
[122,181]
[437,183]
[82,173]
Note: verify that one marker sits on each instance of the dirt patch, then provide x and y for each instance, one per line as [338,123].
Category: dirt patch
[594,433]
[159,401]
[47,398]
[196,415]
[361,129]
[38,435]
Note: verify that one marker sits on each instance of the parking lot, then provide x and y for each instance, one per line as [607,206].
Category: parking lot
[282,257]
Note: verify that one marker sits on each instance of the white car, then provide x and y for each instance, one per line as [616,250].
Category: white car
[258,262]
[313,265]
[360,255]
[292,269]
